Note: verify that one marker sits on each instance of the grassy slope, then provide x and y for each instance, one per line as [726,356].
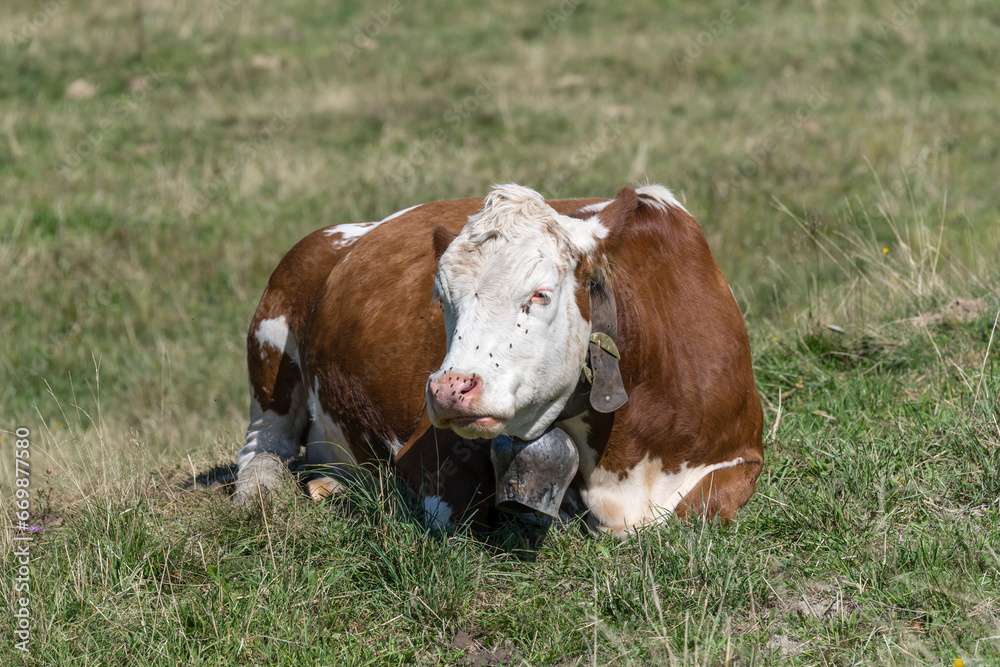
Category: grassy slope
[881,487]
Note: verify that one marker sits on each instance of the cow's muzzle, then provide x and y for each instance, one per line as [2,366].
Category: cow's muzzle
[533,475]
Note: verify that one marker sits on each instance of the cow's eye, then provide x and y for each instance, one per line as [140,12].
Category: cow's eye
[541,297]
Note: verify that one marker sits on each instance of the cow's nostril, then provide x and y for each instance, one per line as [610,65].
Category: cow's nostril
[454,392]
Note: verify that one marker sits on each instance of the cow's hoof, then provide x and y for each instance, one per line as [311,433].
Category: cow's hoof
[322,487]
[262,477]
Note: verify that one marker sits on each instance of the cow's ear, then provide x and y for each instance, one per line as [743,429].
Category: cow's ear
[442,239]
[618,215]
[594,236]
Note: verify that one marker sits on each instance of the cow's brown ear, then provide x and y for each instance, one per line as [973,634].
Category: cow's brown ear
[442,239]
[618,215]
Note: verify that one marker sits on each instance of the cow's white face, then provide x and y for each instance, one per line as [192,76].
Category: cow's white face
[516,339]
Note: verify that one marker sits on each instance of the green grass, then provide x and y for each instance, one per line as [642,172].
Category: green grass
[841,158]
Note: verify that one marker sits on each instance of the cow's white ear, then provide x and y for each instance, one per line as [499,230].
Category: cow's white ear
[583,235]
[602,230]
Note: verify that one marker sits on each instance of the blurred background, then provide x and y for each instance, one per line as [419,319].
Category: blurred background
[158,158]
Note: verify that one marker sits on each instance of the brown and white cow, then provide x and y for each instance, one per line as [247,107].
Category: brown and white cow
[417,339]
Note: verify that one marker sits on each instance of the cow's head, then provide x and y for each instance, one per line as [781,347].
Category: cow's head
[516,337]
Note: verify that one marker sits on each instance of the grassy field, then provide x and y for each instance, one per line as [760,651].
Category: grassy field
[158,157]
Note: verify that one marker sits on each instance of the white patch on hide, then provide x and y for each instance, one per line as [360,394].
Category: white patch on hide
[394,446]
[659,197]
[342,236]
[577,429]
[399,213]
[595,208]
[326,441]
[327,445]
[350,230]
[438,512]
[645,495]
[274,333]
[345,235]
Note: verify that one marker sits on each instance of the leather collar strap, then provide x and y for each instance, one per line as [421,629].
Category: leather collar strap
[600,386]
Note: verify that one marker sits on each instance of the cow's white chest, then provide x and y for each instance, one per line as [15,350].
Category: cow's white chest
[579,431]
[438,512]
[646,494]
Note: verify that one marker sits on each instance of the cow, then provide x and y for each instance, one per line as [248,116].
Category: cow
[419,340]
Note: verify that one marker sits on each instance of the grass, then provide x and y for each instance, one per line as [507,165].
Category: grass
[840,157]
